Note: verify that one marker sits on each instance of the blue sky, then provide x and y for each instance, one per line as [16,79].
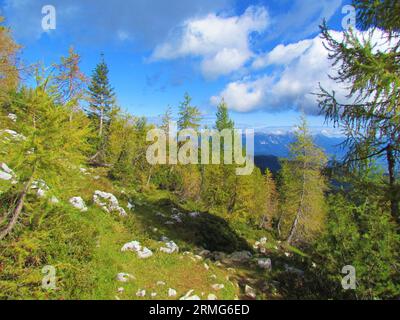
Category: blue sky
[263,57]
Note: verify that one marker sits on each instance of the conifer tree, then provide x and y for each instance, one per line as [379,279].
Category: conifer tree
[70,81]
[189,116]
[302,188]
[101,103]
[370,113]
[9,74]
[49,147]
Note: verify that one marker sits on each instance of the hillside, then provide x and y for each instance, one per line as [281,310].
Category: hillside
[85,248]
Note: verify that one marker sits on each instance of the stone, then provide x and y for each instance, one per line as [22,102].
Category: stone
[13,117]
[7,174]
[212,297]
[217,286]
[145,253]
[161,283]
[130,206]
[172,292]
[142,253]
[124,277]
[41,188]
[131,246]
[294,270]
[54,200]
[121,290]
[240,256]
[206,266]
[170,247]
[194,214]
[108,202]
[141,293]
[250,292]
[78,203]
[153,294]
[12,135]
[265,264]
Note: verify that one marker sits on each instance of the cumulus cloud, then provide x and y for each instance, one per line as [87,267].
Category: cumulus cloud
[297,71]
[223,43]
[299,68]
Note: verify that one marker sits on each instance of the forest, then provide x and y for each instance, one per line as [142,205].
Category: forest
[84,215]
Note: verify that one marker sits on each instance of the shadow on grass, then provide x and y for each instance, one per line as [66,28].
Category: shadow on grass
[205,231]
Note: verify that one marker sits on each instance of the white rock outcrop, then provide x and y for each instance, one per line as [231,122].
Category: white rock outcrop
[134,246]
[41,188]
[170,247]
[12,135]
[172,292]
[13,117]
[265,264]
[78,203]
[124,277]
[7,174]
[108,202]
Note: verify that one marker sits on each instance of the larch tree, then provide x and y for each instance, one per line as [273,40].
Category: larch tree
[70,81]
[370,115]
[9,74]
[302,211]
[49,145]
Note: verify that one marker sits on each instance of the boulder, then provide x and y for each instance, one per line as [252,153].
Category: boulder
[194,214]
[78,203]
[124,277]
[41,188]
[265,264]
[170,247]
[7,174]
[134,246]
[108,202]
[13,117]
[172,292]
[12,135]
[250,292]
[141,293]
[240,256]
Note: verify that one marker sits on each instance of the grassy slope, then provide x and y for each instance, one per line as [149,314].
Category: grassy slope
[181,271]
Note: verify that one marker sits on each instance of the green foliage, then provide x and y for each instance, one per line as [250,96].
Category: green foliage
[364,236]
[53,235]
[302,188]
[189,116]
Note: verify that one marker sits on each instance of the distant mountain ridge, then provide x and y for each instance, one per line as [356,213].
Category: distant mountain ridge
[277,144]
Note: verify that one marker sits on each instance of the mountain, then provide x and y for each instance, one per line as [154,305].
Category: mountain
[277,144]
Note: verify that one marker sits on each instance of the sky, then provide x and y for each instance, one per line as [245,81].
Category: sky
[265,58]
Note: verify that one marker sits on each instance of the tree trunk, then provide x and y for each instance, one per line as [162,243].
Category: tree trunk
[101,122]
[394,201]
[293,229]
[17,210]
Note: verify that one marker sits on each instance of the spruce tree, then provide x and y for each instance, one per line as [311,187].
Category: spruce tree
[101,103]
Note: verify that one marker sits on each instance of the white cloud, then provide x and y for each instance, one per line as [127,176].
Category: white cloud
[223,43]
[297,71]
